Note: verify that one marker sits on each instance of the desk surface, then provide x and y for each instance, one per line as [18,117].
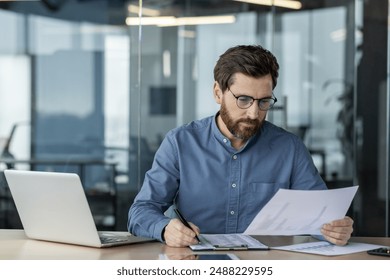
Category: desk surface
[15,245]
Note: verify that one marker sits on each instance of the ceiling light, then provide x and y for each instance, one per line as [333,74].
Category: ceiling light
[145,11]
[149,20]
[202,20]
[173,21]
[291,4]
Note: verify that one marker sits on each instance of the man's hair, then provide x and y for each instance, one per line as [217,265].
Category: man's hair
[250,60]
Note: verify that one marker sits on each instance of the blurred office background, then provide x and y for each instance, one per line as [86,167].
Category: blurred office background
[92,86]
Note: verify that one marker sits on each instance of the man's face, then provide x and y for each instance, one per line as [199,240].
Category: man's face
[244,123]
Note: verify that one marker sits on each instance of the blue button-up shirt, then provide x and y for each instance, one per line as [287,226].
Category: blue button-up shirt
[215,186]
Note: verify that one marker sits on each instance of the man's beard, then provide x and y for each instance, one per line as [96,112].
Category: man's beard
[243,133]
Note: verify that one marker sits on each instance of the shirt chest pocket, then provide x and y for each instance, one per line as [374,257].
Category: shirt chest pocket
[256,196]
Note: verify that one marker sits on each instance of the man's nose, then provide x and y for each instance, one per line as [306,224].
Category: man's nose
[253,111]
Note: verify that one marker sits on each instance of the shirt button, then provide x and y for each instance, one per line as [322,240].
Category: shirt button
[234,156]
[231,212]
[234,185]
[225,140]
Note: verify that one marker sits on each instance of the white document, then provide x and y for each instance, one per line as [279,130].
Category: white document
[294,212]
[327,249]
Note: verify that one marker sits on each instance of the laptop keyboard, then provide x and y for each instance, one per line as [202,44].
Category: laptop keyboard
[104,239]
[112,238]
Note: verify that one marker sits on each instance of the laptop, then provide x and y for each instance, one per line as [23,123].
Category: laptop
[53,207]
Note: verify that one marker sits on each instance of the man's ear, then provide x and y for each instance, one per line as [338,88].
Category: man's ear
[217,93]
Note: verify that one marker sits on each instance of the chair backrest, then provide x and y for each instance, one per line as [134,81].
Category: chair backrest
[4,190]
[9,217]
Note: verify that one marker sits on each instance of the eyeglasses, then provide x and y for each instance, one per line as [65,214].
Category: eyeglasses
[244,101]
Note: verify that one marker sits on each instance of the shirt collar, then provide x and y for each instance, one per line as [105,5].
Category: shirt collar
[225,141]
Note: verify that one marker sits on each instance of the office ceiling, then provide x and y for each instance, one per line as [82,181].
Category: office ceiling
[115,11]
[194,7]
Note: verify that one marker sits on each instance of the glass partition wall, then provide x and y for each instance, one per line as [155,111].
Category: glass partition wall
[105,87]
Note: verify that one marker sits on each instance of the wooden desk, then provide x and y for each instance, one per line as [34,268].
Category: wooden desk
[14,246]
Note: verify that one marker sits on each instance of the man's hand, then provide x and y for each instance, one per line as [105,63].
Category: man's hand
[178,235]
[339,231]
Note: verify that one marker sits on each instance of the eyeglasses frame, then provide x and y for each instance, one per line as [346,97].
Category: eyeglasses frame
[253,100]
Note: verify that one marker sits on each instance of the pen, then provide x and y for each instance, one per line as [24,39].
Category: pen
[184,221]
